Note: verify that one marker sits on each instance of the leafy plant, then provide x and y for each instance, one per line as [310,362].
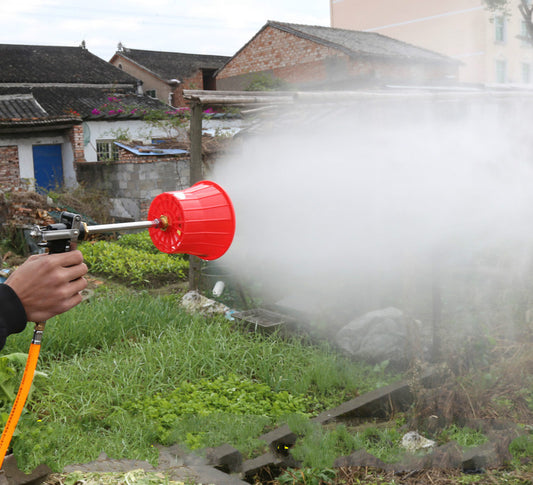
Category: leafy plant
[232,396]
[140,241]
[307,476]
[133,264]
[264,82]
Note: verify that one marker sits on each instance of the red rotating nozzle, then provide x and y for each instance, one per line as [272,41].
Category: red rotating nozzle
[199,220]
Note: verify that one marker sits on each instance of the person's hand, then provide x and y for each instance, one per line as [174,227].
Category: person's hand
[49,284]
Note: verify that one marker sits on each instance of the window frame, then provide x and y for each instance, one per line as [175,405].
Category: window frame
[106,151]
[500,29]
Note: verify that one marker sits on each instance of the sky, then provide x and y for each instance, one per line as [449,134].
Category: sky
[217,27]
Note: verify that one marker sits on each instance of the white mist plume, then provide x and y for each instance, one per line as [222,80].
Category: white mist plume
[330,198]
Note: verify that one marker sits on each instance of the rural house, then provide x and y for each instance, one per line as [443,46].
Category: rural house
[164,75]
[313,57]
[62,110]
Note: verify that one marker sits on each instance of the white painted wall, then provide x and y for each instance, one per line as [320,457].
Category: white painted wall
[111,130]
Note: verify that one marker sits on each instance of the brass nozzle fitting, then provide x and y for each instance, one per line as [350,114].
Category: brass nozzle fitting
[163,223]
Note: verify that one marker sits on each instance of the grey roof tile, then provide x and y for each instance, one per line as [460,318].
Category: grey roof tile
[172,65]
[63,101]
[20,106]
[358,43]
[52,64]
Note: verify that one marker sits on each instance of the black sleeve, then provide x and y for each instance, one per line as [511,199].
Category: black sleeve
[12,314]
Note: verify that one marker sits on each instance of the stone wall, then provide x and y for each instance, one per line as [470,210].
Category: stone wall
[133,185]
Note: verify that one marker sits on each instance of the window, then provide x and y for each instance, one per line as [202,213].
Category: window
[500,35]
[501,75]
[151,93]
[524,34]
[526,73]
[106,151]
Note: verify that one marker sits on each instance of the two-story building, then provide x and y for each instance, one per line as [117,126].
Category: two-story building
[493,46]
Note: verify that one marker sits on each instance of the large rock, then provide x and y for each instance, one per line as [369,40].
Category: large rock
[381,335]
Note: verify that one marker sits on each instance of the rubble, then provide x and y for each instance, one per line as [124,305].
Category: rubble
[195,302]
[24,208]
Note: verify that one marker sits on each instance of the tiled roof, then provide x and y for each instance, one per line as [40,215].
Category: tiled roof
[50,64]
[20,106]
[62,101]
[172,65]
[357,43]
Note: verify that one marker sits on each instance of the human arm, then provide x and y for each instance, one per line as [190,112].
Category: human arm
[12,314]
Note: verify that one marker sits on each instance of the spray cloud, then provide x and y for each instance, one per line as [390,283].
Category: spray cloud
[346,203]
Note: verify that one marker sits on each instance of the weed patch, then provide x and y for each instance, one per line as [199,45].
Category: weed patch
[116,350]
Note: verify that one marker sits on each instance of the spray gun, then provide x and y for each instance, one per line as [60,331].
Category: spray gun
[199,221]
[58,238]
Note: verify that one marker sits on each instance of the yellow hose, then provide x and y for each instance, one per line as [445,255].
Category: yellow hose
[22,394]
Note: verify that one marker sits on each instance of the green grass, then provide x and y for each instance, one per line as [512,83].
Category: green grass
[128,348]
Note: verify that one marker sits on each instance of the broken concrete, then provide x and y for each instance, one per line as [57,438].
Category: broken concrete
[11,475]
[173,461]
[224,458]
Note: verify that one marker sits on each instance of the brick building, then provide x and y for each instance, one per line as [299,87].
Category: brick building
[164,75]
[313,57]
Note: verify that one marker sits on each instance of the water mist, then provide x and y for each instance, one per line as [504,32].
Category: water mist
[389,200]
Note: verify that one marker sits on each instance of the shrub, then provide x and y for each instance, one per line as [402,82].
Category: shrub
[134,260]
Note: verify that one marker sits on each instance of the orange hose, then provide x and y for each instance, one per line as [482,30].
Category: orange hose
[22,395]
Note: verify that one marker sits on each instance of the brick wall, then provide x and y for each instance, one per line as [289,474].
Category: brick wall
[276,51]
[9,167]
[76,139]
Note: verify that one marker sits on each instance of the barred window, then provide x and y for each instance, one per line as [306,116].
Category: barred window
[106,151]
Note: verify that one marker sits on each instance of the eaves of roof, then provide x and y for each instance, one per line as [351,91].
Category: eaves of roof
[89,102]
[23,105]
[24,125]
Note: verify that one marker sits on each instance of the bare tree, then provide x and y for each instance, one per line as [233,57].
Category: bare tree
[525,7]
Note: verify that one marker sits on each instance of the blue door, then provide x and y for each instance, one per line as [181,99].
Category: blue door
[47,167]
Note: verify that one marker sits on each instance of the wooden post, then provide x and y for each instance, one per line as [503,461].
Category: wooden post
[195,133]
[196,174]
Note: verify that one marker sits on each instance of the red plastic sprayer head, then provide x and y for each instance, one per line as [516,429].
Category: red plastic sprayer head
[199,220]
